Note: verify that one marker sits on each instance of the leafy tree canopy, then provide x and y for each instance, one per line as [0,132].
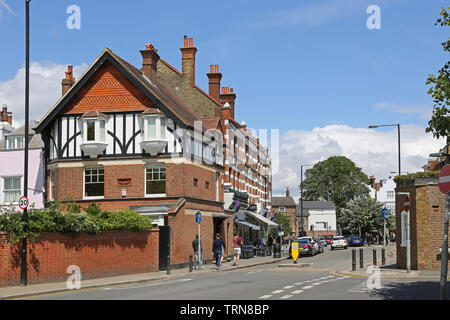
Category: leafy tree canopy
[439,123]
[336,179]
[363,214]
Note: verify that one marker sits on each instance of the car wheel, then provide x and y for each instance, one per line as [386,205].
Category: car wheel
[345,247]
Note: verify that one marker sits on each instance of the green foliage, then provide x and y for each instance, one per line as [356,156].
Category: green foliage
[412,176]
[439,123]
[363,214]
[57,218]
[336,179]
[285,224]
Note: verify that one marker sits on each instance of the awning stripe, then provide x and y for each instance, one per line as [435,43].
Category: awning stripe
[247,224]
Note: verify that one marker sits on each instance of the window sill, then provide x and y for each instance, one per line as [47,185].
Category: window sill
[155,195]
[94,198]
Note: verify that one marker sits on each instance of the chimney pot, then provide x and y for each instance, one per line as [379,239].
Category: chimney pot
[185,41]
[68,81]
[211,68]
[150,58]
[191,43]
[188,61]
[217,68]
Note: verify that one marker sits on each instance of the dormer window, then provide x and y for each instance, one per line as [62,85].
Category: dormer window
[93,133]
[15,142]
[154,126]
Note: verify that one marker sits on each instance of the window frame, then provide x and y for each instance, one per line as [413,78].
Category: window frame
[155,166]
[84,182]
[160,127]
[98,128]
[11,190]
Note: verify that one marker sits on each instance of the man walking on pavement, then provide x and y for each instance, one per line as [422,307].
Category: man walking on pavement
[197,255]
[237,242]
[217,249]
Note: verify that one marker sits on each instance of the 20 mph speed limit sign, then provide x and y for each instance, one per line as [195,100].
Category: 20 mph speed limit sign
[23,203]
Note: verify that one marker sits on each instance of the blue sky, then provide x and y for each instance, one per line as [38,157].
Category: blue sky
[294,65]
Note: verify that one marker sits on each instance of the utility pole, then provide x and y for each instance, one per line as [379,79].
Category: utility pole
[302,224]
[23,265]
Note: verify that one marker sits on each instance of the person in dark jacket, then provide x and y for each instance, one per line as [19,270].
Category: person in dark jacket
[217,246]
[197,257]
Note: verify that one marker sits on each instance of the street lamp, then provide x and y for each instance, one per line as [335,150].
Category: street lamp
[399,164]
[23,265]
[398,130]
[301,194]
[444,254]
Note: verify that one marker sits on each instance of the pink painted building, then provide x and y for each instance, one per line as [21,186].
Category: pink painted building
[12,168]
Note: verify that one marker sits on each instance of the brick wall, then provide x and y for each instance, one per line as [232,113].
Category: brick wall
[426,226]
[105,254]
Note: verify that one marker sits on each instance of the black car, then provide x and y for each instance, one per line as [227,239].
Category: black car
[355,241]
[305,247]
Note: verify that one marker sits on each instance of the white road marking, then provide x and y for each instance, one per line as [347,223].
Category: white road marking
[277,291]
[298,283]
[308,287]
[297,291]
[265,297]
[288,287]
[286,296]
[316,283]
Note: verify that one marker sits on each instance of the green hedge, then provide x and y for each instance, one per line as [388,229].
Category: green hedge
[70,219]
[412,176]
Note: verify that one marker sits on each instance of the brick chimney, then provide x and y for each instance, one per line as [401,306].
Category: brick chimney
[68,81]
[244,126]
[150,58]
[5,116]
[188,61]
[214,82]
[225,111]
[229,96]
[288,194]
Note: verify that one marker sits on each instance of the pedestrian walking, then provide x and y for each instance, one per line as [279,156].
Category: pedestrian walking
[237,242]
[198,257]
[223,251]
[269,244]
[217,248]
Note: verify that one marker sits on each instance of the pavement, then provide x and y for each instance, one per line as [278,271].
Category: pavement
[388,270]
[12,292]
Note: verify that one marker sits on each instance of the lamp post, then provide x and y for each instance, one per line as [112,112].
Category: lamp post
[444,253]
[301,194]
[398,130]
[23,265]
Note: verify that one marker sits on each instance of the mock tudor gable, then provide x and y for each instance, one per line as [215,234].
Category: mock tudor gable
[141,116]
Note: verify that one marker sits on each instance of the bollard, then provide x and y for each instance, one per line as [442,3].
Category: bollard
[383,256]
[190,263]
[277,250]
[361,258]
[353,259]
[374,256]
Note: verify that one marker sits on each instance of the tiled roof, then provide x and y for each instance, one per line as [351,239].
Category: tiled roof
[283,201]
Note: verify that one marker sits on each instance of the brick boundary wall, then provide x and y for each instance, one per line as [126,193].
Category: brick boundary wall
[105,254]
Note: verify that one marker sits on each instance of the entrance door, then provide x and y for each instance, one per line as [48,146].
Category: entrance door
[164,238]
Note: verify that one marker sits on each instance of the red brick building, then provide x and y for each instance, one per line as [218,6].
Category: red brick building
[125,138]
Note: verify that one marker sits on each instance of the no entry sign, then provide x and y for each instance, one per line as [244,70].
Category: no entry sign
[406,204]
[444,179]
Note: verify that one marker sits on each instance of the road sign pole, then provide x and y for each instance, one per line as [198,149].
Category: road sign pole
[444,254]
[199,249]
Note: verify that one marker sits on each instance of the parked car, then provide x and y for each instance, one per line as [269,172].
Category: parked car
[355,241]
[313,243]
[339,242]
[328,237]
[322,240]
[305,247]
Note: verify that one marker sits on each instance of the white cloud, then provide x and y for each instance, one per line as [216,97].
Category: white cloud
[375,152]
[45,89]
[4,5]
[424,111]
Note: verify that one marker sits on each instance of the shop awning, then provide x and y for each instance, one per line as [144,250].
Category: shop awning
[271,224]
[247,224]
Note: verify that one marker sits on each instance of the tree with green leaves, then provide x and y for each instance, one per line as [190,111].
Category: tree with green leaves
[363,214]
[439,124]
[335,179]
[285,225]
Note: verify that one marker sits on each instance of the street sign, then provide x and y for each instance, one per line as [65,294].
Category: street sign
[444,179]
[406,204]
[23,202]
[198,217]
[384,213]
[294,251]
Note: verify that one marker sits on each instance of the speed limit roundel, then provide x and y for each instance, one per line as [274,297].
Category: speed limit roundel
[23,203]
